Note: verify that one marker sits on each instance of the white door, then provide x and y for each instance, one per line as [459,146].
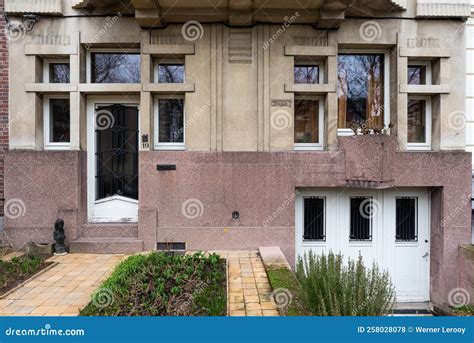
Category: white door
[390,227]
[112,159]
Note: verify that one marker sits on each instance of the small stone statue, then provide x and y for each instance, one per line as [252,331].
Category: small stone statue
[59,237]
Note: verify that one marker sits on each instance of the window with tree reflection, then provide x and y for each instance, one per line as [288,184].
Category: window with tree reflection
[360,90]
[115,67]
[170,73]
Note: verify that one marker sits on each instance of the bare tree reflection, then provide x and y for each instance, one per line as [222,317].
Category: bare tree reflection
[115,68]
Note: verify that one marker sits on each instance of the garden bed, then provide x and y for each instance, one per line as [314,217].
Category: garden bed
[18,270]
[160,284]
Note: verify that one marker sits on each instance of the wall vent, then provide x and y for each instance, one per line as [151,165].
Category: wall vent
[240,46]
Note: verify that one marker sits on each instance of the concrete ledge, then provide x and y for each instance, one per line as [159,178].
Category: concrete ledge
[104,88]
[302,50]
[53,7]
[425,89]
[168,88]
[310,88]
[425,52]
[273,257]
[50,87]
[168,49]
[47,49]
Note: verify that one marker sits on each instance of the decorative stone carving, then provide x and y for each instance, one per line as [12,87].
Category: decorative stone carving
[240,46]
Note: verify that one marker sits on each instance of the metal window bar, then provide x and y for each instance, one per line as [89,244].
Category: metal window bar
[406,219]
[360,220]
[314,219]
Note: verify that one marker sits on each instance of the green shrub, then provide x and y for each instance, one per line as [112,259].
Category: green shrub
[331,288]
[160,284]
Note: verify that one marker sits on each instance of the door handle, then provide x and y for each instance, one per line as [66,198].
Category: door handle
[426,254]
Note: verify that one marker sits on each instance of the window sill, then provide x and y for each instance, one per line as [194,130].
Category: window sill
[418,147]
[57,146]
[308,147]
[168,88]
[170,147]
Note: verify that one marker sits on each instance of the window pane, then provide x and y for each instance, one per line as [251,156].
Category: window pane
[306,74]
[171,120]
[59,121]
[59,72]
[416,75]
[361,218]
[171,73]
[115,68]
[416,121]
[314,221]
[406,228]
[306,121]
[360,90]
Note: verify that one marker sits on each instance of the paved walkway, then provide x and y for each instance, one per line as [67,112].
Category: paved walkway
[62,290]
[249,289]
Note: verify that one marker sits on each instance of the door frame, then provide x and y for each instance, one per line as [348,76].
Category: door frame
[383,238]
[92,102]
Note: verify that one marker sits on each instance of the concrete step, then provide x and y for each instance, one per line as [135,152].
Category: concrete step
[108,230]
[106,245]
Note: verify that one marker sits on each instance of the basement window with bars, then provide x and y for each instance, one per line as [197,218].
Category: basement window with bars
[314,219]
[361,219]
[406,219]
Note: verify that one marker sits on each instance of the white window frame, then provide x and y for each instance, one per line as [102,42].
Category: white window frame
[426,146]
[321,114]
[48,61]
[386,86]
[319,64]
[105,50]
[175,61]
[48,145]
[168,145]
[428,71]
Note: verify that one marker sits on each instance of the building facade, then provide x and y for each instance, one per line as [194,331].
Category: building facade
[336,125]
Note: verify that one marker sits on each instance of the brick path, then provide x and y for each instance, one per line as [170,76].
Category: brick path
[62,290]
[249,289]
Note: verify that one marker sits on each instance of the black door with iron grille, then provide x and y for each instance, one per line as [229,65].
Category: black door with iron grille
[116,130]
